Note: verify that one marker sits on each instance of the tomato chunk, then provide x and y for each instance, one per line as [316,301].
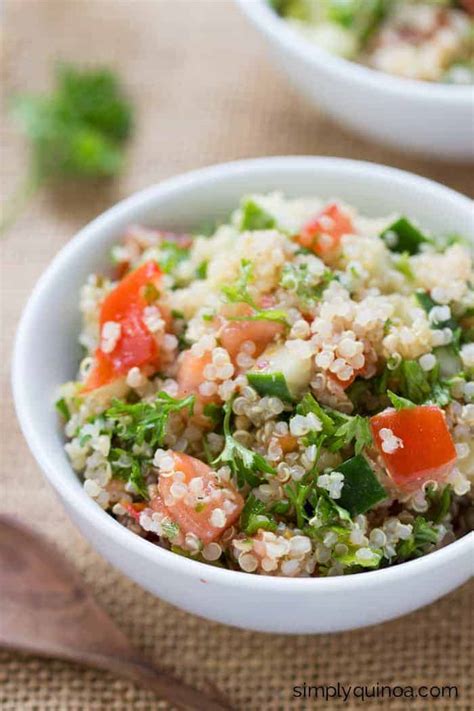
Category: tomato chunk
[234,333]
[194,498]
[135,346]
[191,375]
[423,449]
[322,235]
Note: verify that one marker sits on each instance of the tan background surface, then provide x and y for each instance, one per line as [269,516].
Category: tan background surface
[205,92]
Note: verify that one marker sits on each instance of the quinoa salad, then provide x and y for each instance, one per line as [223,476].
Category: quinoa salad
[290,394]
[430,40]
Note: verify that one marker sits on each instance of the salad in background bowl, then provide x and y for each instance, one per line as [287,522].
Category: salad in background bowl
[430,40]
[421,101]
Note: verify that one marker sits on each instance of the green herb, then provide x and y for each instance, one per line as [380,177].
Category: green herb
[402,264]
[439,503]
[402,236]
[201,271]
[246,465]
[170,529]
[338,429]
[298,493]
[356,429]
[170,255]
[62,408]
[238,293]
[423,537]
[308,287]
[214,412]
[77,131]
[145,422]
[254,516]
[361,489]
[427,303]
[270,384]
[255,217]
[137,479]
[411,382]
[399,403]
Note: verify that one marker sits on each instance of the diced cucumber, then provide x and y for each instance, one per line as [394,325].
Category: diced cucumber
[255,217]
[403,236]
[361,489]
[276,360]
[271,384]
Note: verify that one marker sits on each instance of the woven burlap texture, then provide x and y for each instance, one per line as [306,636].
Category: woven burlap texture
[204,92]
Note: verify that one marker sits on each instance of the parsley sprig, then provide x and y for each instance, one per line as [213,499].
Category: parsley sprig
[238,293]
[144,423]
[136,430]
[246,465]
[338,429]
[77,131]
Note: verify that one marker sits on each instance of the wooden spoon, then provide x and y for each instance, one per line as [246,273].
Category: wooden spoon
[47,610]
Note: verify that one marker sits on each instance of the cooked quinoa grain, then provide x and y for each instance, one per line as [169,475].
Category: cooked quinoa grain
[290,396]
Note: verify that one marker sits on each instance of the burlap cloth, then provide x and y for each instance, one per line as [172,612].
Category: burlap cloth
[204,92]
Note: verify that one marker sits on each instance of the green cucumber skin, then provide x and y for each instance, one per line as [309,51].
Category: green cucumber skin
[361,489]
[271,385]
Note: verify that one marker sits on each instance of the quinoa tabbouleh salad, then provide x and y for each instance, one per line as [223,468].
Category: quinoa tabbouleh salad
[431,40]
[292,395]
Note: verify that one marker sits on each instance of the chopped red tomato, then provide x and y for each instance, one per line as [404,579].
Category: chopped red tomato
[343,383]
[133,510]
[191,375]
[415,445]
[195,499]
[234,333]
[135,345]
[323,233]
[468,6]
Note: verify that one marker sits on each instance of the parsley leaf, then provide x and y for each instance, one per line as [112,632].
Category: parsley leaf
[308,287]
[338,429]
[254,516]
[399,403]
[145,422]
[255,217]
[62,408]
[238,293]
[246,465]
[423,537]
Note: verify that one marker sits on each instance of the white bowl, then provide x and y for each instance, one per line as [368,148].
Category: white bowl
[433,119]
[46,355]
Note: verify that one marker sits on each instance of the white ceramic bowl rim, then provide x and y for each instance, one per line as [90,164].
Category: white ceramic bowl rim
[104,523]
[271,23]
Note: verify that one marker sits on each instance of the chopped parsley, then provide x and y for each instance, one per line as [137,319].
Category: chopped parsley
[62,408]
[238,293]
[255,217]
[308,287]
[399,403]
[338,429]
[145,422]
[254,516]
[246,465]
[423,537]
